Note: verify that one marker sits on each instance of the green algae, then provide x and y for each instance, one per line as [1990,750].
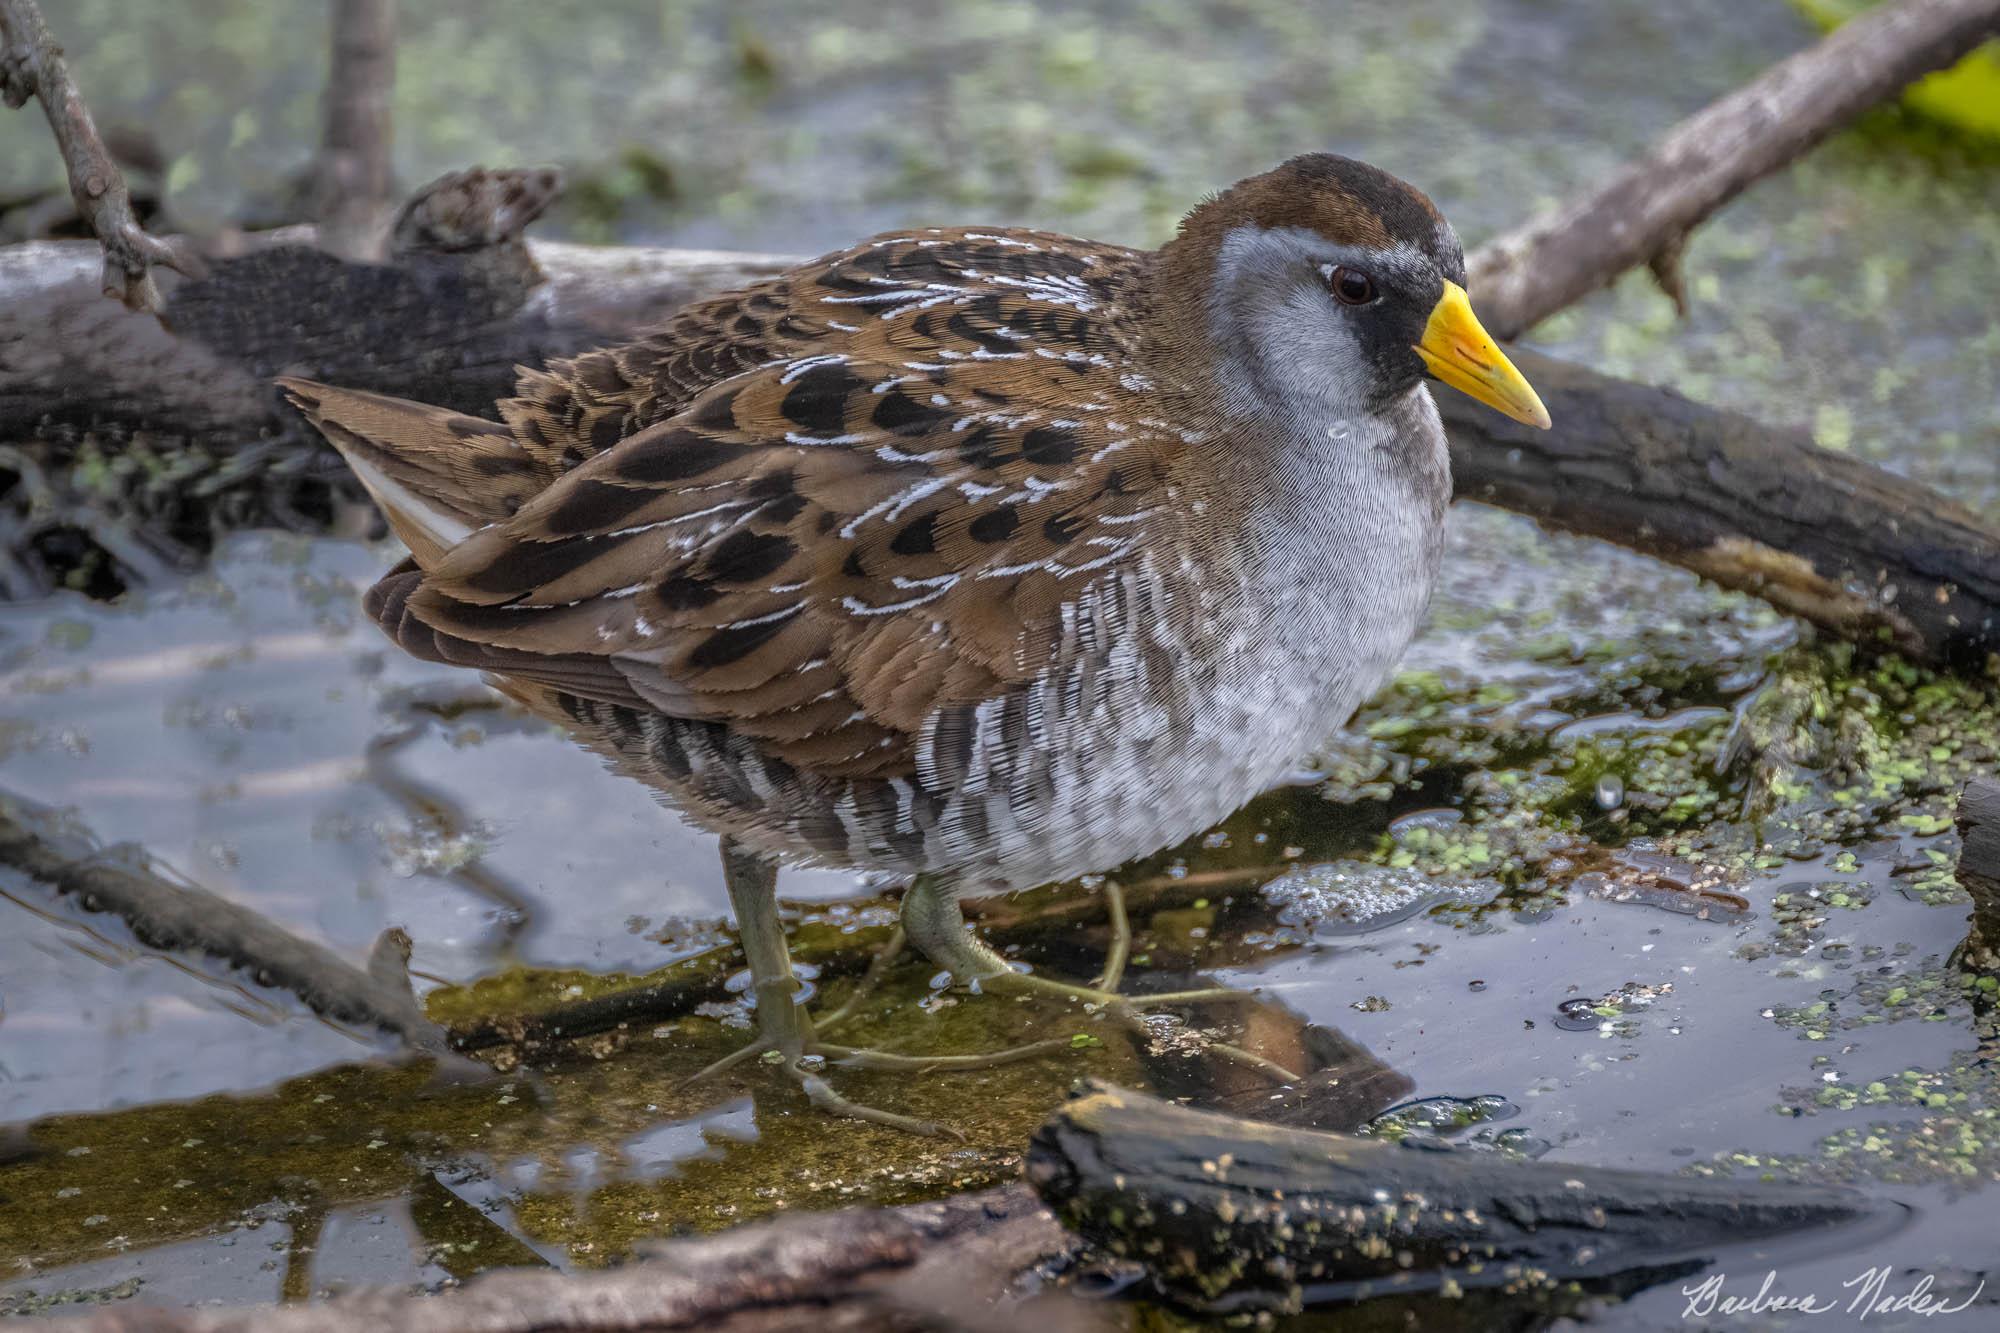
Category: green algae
[94,1184]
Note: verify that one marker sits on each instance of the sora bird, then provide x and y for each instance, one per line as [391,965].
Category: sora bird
[988,557]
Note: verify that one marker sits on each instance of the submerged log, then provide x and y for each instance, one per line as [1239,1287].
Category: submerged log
[1235,1214]
[166,913]
[1866,555]
[891,1270]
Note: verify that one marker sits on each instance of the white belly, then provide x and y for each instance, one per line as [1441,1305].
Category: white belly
[1309,622]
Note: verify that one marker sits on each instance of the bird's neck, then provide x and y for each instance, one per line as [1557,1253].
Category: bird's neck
[1275,448]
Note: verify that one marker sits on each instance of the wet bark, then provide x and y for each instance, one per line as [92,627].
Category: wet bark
[166,913]
[1248,1215]
[1864,554]
[1979,876]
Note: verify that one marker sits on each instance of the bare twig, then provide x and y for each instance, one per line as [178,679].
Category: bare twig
[1650,205]
[32,65]
[353,179]
[172,916]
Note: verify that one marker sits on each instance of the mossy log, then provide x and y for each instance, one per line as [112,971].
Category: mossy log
[1234,1214]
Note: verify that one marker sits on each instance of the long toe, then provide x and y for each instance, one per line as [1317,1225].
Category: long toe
[821,1094]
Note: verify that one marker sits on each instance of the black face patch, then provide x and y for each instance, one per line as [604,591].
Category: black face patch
[1388,330]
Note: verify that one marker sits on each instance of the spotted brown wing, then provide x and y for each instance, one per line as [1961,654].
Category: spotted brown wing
[821,553]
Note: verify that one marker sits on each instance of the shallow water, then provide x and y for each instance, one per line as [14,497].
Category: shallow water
[246,729]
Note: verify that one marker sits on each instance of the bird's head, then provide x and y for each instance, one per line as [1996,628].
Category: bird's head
[1332,287]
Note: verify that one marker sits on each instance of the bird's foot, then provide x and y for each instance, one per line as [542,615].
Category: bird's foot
[807,1068]
[932,920]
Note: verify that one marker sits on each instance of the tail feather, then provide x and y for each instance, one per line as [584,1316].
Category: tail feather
[436,475]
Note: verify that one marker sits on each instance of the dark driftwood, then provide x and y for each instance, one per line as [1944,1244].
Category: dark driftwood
[1645,211]
[1979,875]
[923,1267]
[1243,1215]
[1860,552]
[167,914]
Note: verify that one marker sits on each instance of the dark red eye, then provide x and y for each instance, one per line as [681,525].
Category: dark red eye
[1350,286]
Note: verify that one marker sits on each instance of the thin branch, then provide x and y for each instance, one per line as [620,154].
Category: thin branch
[1647,208]
[353,178]
[173,916]
[31,65]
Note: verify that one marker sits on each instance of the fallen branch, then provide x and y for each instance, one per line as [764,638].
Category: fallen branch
[167,914]
[1645,211]
[898,1270]
[1236,1214]
[1866,555]
[31,65]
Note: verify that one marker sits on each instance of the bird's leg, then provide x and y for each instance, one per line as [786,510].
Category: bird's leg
[1121,937]
[784,1029]
[753,898]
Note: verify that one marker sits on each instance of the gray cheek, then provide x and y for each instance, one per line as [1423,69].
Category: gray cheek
[1288,350]
[1307,353]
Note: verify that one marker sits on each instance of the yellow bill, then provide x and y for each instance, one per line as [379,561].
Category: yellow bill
[1463,355]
